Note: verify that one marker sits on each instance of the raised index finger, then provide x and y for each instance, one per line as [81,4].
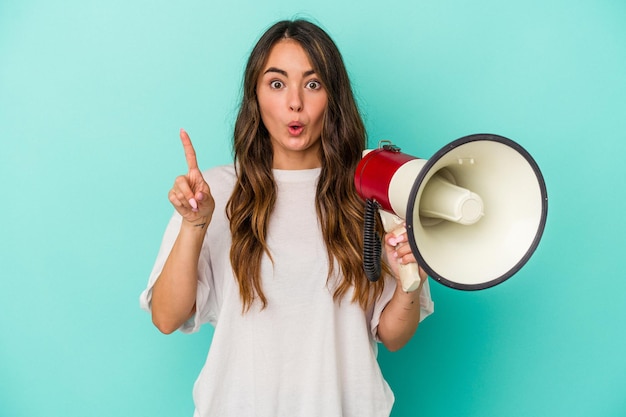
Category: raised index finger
[190,153]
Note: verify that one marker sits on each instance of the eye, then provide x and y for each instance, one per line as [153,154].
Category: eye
[276,84]
[314,85]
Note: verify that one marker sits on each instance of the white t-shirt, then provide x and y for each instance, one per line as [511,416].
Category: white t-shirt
[304,355]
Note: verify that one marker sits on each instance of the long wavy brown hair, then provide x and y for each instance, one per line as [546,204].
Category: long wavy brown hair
[339,208]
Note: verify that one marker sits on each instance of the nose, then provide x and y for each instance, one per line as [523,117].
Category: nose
[295,101]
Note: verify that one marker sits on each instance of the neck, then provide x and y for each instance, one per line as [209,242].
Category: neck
[296,163]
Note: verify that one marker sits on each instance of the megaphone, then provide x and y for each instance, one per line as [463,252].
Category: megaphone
[474,212]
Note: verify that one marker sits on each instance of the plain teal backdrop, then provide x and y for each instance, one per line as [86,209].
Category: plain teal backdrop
[93,93]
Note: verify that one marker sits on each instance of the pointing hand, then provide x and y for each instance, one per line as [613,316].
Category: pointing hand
[191,195]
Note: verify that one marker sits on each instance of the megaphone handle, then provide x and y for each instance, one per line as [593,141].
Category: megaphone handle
[409,273]
[410,277]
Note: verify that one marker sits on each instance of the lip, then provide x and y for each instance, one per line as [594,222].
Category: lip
[295,128]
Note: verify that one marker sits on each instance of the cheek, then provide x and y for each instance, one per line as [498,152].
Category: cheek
[266,112]
[320,109]
[266,102]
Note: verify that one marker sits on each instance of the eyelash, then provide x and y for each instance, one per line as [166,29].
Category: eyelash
[273,84]
[318,85]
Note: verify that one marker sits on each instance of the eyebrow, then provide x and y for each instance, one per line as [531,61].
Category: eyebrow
[283,72]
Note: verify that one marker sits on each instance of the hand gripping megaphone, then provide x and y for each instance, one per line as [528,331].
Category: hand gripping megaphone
[474,212]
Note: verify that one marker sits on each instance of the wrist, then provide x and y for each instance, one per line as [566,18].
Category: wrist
[199,224]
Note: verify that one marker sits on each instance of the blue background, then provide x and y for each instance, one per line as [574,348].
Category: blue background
[93,93]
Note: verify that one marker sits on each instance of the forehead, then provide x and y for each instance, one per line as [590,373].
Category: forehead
[288,54]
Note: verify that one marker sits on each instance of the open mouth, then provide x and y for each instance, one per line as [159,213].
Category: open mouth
[295,128]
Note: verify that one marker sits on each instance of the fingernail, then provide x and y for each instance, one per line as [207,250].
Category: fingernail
[193,203]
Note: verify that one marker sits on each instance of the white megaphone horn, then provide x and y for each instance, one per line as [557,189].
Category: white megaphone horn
[474,212]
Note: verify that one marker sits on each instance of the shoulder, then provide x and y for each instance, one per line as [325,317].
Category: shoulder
[220,176]
[221,172]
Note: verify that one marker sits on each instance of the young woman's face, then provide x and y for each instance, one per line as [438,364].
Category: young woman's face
[292,102]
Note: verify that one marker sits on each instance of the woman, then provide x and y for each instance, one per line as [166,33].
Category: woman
[269,249]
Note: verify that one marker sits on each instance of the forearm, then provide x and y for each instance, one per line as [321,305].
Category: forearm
[400,319]
[174,293]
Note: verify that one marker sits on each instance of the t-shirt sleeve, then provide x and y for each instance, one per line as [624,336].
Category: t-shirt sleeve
[427,306]
[204,311]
